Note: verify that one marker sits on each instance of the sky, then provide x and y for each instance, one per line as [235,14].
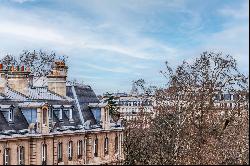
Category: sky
[110,43]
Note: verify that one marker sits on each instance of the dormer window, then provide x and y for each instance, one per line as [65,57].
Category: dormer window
[61,113]
[58,113]
[45,115]
[66,111]
[11,114]
[50,113]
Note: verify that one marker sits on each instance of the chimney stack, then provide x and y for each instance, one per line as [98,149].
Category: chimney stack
[14,78]
[57,78]
[3,80]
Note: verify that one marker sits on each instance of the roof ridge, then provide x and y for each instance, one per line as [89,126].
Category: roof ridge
[15,91]
[56,94]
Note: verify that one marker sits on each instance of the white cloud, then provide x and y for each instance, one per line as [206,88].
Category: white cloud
[21,1]
[114,69]
[31,32]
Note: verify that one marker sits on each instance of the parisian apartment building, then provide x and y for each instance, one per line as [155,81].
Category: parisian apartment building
[51,121]
[133,105]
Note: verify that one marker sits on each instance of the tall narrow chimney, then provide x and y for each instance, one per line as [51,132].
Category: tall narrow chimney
[57,78]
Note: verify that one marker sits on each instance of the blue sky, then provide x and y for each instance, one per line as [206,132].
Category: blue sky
[112,42]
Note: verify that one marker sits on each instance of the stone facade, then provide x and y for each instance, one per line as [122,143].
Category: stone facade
[62,123]
[33,148]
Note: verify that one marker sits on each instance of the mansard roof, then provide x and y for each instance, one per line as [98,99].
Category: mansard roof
[83,95]
[78,98]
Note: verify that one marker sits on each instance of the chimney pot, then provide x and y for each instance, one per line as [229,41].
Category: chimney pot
[22,68]
[1,66]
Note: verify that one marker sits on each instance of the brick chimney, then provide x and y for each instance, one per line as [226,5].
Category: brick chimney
[57,78]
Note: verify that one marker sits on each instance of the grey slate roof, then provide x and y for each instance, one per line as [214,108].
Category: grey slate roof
[38,95]
[42,93]
[85,95]
[3,123]
[14,95]
[20,122]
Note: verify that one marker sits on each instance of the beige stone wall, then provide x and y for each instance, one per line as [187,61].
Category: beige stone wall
[57,85]
[19,84]
[33,148]
[13,145]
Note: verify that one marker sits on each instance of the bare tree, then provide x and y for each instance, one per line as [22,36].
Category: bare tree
[40,62]
[193,124]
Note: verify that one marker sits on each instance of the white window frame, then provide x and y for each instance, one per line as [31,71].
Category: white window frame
[70,114]
[44,153]
[79,149]
[21,155]
[6,156]
[70,150]
[11,115]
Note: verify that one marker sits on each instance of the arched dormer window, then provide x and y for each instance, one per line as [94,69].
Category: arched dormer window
[45,115]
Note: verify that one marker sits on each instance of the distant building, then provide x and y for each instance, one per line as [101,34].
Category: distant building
[52,121]
[131,106]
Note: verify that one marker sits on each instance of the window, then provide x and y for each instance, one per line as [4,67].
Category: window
[70,150]
[116,144]
[20,154]
[61,114]
[79,149]
[96,147]
[45,110]
[11,114]
[56,112]
[6,156]
[106,145]
[59,152]
[66,111]
[50,113]
[222,97]
[44,154]
[227,96]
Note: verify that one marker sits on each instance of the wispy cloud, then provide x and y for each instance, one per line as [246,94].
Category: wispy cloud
[21,1]
[114,69]
[124,40]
